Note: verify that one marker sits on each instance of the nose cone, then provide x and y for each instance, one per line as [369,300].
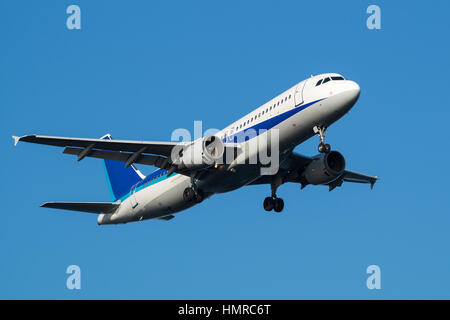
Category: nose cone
[349,95]
[353,90]
[346,93]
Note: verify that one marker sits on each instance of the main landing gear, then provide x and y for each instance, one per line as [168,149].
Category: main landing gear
[273,202]
[323,147]
[189,194]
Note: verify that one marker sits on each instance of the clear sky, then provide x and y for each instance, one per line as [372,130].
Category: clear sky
[139,69]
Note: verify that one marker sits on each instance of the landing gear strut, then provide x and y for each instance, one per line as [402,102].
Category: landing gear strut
[323,147]
[273,202]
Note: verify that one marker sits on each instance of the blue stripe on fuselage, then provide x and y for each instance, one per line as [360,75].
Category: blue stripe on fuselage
[151,179]
[267,124]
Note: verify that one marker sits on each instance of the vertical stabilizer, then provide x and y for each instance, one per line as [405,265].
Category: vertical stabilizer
[120,179]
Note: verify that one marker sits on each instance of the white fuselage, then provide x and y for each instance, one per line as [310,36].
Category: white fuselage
[293,114]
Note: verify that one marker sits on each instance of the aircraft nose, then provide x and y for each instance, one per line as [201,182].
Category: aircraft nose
[351,94]
[354,90]
[347,96]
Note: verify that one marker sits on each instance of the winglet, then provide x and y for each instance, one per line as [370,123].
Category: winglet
[372,183]
[16,140]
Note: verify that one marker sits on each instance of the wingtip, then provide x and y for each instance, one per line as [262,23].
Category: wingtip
[16,140]
[26,138]
[372,183]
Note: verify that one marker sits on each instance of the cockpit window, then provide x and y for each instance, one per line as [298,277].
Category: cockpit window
[325,80]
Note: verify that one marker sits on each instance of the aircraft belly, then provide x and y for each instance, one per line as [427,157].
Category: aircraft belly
[226,181]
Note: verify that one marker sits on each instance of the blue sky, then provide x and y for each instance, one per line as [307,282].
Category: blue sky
[139,69]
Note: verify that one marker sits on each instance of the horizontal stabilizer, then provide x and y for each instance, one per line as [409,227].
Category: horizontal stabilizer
[92,207]
[351,176]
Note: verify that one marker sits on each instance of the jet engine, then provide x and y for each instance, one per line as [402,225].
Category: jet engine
[325,168]
[201,153]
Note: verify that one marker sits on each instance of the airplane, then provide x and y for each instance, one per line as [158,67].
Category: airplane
[191,171]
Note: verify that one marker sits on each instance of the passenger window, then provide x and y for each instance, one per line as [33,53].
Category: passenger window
[326,80]
[319,82]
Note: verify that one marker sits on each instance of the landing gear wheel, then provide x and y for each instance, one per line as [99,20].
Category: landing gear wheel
[188,194]
[321,148]
[278,204]
[268,204]
[324,148]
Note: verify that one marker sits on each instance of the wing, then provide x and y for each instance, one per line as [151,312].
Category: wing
[153,147]
[144,152]
[291,169]
[153,153]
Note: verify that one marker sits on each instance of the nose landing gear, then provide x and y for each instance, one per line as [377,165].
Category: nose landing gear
[323,147]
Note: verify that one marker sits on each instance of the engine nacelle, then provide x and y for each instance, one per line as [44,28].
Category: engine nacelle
[201,153]
[325,168]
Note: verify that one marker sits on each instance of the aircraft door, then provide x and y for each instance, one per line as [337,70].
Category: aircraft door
[133,199]
[298,96]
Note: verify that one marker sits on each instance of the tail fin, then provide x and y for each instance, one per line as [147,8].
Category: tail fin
[120,179]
